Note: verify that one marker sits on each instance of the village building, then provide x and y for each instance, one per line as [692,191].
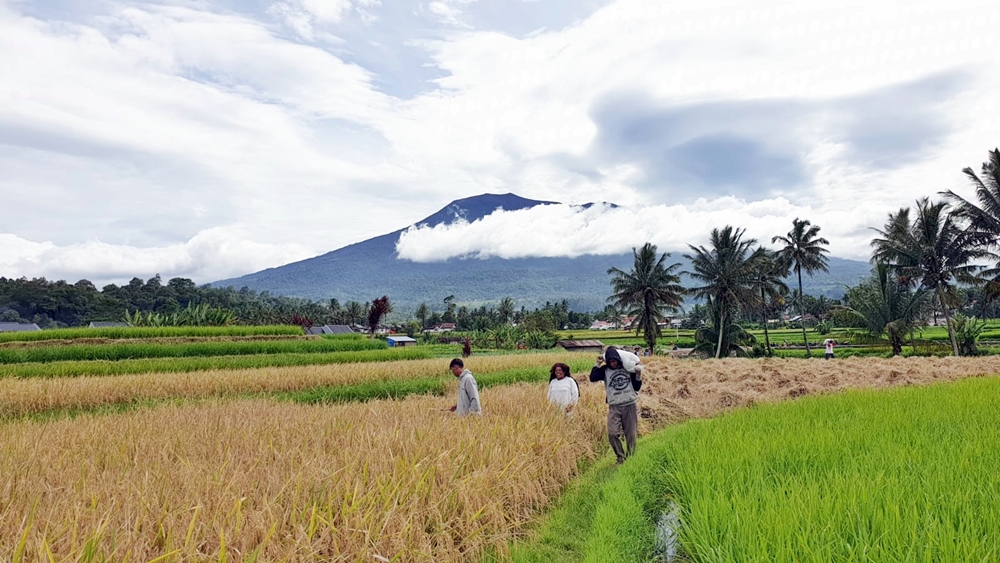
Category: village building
[18,327]
[330,329]
[107,324]
[594,346]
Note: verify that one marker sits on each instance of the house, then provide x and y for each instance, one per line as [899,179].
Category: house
[601,325]
[443,327]
[18,327]
[594,346]
[330,329]
[400,341]
[107,324]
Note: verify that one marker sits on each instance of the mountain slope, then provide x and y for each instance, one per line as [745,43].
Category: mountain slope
[369,269]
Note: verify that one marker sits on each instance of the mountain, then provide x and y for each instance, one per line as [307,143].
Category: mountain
[370,269]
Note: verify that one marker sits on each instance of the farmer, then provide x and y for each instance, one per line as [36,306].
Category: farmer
[563,390]
[468,390]
[621,373]
[829,343]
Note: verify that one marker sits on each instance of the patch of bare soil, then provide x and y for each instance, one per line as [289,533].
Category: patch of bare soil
[676,389]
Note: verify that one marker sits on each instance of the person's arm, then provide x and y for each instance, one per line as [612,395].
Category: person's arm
[576,394]
[597,374]
[636,381]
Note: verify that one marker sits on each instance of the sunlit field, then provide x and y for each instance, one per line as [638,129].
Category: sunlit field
[263,481]
[899,475]
[332,461]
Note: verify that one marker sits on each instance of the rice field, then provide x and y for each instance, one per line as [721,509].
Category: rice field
[150,332]
[265,454]
[264,481]
[902,475]
[191,364]
[136,349]
[25,396]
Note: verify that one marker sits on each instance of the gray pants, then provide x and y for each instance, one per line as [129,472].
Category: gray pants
[622,419]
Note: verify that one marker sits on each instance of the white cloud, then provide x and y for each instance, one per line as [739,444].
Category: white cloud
[212,254]
[569,231]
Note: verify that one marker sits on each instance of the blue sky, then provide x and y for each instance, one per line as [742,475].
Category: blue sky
[211,139]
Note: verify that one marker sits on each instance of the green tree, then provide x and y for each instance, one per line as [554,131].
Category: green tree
[886,306]
[505,310]
[932,249]
[648,291]
[355,312]
[449,313]
[983,219]
[803,250]
[726,271]
[768,277]
[423,311]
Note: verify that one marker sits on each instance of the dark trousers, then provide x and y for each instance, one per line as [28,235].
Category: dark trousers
[622,419]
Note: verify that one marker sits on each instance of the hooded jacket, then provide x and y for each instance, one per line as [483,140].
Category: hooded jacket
[622,386]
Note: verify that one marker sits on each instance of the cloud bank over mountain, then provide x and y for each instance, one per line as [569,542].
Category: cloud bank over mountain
[570,231]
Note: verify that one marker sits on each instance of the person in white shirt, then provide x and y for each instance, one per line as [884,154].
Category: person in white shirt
[829,343]
[563,389]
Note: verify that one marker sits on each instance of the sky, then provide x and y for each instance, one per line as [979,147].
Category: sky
[210,139]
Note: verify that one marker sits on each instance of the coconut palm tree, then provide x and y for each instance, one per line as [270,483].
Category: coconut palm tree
[768,277]
[983,220]
[887,306]
[648,291]
[803,250]
[732,337]
[932,249]
[505,310]
[726,270]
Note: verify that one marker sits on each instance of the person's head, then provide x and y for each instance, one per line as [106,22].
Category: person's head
[558,371]
[457,366]
[612,358]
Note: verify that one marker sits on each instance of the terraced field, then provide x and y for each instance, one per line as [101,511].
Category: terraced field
[335,461]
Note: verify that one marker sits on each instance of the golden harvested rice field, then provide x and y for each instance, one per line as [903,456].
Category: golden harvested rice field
[19,397]
[260,480]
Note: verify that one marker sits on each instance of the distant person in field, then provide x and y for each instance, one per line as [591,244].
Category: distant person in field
[621,373]
[563,389]
[829,343]
[468,390]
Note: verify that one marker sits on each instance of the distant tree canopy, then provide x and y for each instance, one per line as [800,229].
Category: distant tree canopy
[53,304]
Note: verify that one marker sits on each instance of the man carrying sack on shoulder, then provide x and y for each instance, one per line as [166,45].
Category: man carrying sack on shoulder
[621,373]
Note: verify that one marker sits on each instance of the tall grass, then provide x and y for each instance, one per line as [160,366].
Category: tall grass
[134,350]
[189,364]
[21,397]
[901,475]
[262,481]
[148,332]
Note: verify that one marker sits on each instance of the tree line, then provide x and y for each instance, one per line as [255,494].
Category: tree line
[934,252]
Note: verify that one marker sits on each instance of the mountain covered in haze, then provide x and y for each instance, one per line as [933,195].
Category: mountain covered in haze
[370,269]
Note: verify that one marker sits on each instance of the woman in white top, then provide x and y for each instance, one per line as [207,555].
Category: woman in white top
[563,389]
